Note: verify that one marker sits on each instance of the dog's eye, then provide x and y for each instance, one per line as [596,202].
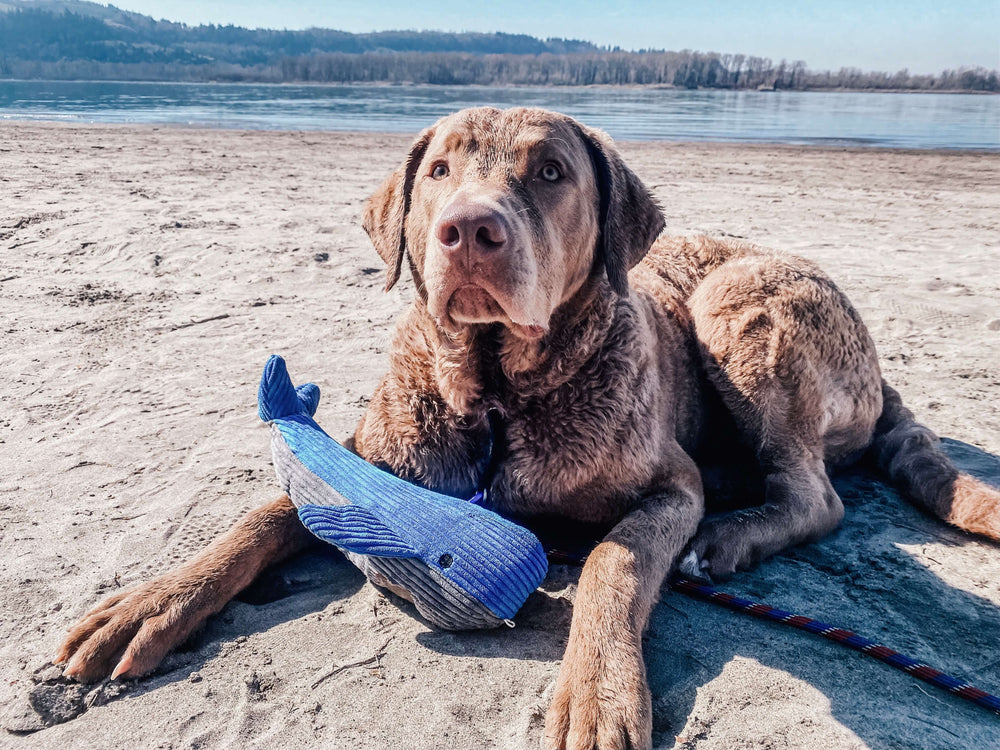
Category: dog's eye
[551,173]
[440,171]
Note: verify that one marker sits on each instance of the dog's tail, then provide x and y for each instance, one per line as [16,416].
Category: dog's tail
[911,456]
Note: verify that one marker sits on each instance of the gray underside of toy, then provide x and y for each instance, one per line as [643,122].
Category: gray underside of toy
[437,599]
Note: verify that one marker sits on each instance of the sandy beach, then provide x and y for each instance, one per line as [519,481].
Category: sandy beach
[145,276]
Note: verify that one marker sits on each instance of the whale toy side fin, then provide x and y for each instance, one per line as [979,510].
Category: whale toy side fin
[354,529]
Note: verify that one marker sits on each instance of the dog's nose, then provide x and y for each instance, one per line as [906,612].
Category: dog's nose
[468,227]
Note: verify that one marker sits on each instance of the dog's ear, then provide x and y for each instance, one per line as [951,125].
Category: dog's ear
[385,213]
[630,218]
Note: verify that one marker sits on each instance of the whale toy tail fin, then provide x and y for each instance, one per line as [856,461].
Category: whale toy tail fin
[278,398]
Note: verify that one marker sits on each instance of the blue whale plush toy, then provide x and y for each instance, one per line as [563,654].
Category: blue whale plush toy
[463,566]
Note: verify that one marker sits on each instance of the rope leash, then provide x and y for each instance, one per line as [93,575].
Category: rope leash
[843,637]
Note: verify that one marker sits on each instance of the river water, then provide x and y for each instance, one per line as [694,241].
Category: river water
[922,121]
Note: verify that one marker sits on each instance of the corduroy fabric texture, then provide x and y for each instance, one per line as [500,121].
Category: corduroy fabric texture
[463,566]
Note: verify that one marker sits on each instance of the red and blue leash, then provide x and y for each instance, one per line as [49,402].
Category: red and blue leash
[843,637]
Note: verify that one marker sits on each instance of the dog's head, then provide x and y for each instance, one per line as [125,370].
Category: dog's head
[505,214]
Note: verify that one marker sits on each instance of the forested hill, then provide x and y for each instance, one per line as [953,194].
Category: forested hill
[53,30]
[74,39]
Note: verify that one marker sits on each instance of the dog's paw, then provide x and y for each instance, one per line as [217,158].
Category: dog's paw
[601,700]
[128,634]
[718,550]
[692,566]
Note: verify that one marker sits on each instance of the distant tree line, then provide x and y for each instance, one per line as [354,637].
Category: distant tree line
[685,69]
[102,42]
[692,70]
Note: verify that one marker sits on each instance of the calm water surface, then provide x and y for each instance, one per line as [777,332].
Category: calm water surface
[955,121]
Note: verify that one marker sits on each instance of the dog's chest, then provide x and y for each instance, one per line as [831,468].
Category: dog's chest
[572,459]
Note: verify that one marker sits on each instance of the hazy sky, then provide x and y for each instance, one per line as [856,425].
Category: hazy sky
[870,34]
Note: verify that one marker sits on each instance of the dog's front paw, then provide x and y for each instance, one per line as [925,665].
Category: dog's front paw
[130,633]
[601,699]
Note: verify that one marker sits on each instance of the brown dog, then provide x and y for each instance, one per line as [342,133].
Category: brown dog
[617,370]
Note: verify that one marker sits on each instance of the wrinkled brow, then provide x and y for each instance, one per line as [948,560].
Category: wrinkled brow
[558,144]
[461,140]
[497,148]
[565,149]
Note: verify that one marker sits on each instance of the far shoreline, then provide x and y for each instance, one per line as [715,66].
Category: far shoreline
[542,86]
[406,136]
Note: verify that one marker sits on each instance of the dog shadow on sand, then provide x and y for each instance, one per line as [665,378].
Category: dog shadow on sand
[889,573]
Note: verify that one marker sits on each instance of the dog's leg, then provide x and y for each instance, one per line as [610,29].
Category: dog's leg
[601,697]
[797,370]
[800,505]
[130,633]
